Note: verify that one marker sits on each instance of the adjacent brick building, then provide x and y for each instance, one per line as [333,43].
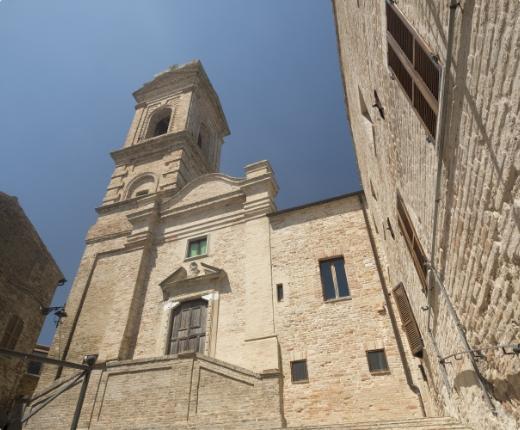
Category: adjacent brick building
[28,277]
[208,308]
[432,89]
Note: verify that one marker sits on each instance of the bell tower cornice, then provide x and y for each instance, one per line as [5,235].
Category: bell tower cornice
[154,146]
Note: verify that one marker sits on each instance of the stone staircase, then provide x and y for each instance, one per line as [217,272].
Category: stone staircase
[439,423]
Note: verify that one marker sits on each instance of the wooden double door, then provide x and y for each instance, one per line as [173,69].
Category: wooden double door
[188,327]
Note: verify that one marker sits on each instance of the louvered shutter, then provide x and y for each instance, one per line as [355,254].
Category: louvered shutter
[426,113]
[427,69]
[414,67]
[408,321]
[399,31]
[400,71]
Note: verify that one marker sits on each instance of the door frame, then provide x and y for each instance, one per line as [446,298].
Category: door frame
[212,297]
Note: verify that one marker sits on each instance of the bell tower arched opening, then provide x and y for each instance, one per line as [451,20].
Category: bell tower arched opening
[159,123]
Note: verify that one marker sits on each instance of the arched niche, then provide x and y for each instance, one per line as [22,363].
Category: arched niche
[141,186]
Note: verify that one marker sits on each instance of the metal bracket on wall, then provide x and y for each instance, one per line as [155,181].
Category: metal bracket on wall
[509,349]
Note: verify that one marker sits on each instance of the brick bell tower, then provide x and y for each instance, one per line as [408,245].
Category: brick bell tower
[175,136]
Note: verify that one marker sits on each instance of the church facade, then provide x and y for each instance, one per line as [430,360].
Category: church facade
[208,308]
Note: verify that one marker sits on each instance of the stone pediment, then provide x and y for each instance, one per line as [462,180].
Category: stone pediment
[196,273]
[203,190]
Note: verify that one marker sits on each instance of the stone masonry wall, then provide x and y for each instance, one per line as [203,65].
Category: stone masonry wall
[28,278]
[334,336]
[478,236]
[191,391]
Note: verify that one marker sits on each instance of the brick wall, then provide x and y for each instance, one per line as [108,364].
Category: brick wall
[192,391]
[334,336]
[478,233]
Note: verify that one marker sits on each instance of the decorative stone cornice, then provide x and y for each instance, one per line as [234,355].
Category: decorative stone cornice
[153,146]
[181,277]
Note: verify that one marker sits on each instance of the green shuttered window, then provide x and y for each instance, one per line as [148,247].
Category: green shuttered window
[197,247]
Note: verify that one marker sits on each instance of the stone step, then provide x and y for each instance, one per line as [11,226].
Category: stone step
[434,423]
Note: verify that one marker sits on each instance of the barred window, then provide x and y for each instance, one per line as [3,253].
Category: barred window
[414,66]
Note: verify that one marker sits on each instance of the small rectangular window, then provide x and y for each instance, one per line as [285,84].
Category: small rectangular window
[334,279]
[34,368]
[279,292]
[299,371]
[377,361]
[197,247]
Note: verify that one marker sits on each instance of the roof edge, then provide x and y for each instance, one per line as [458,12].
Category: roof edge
[316,203]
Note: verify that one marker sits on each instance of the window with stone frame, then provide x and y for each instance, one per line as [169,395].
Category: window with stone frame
[334,279]
[377,362]
[416,68]
[197,247]
[299,371]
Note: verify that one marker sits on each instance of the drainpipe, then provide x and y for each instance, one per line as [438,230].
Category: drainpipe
[442,130]
[433,277]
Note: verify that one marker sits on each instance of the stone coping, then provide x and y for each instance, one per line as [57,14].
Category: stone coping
[190,355]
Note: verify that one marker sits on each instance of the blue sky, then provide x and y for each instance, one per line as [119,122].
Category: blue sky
[68,69]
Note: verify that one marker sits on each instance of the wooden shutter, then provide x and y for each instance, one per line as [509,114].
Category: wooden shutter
[400,71]
[427,69]
[399,31]
[412,242]
[426,113]
[408,321]
[414,67]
